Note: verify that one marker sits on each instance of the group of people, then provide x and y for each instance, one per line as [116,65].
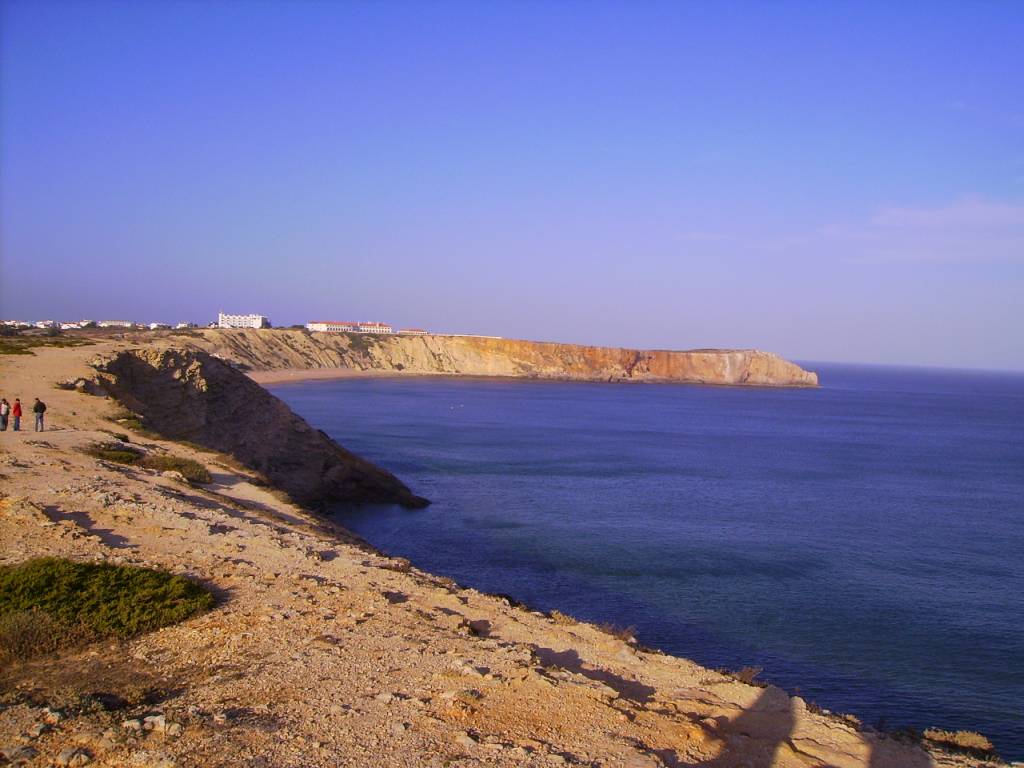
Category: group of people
[12,413]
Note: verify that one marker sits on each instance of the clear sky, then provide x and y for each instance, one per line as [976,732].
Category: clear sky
[831,181]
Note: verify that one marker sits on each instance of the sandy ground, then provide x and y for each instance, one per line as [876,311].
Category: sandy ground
[322,652]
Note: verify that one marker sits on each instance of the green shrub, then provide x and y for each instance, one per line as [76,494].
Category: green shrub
[99,599]
[192,470]
[120,453]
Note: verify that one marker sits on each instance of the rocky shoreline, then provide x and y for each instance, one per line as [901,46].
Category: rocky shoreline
[321,651]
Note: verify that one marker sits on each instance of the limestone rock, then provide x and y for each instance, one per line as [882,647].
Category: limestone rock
[190,395]
[484,356]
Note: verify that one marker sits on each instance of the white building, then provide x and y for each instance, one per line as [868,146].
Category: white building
[158,326]
[332,326]
[115,324]
[182,326]
[375,328]
[242,321]
[415,331]
[46,324]
[341,326]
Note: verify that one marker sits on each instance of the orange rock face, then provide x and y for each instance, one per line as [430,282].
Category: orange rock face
[267,350]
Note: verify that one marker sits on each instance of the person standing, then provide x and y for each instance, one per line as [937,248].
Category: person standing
[16,414]
[39,409]
[5,412]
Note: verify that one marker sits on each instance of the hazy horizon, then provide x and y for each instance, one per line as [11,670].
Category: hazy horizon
[839,183]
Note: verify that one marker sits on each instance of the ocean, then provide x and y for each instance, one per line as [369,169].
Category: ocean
[862,543]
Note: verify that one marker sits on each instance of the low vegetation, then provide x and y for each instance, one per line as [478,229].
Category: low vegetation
[49,603]
[362,342]
[968,741]
[23,345]
[746,675]
[129,420]
[24,634]
[563,619]
[123,453]
[628,634]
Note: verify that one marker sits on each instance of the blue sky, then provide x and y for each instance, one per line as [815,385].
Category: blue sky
[831,181]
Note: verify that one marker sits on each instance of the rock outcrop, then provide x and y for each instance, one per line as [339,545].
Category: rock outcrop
[263,350]
[190,395]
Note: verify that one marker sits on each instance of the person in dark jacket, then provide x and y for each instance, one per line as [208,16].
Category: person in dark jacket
[39,409]
[16,414]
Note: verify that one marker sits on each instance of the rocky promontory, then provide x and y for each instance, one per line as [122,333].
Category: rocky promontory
[277,349]
[186,394]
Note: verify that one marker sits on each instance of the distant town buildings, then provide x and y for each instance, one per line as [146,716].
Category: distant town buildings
[242,321]
[224,320]
[77,325]
[340,326]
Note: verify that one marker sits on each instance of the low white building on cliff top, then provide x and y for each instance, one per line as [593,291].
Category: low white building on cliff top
[342,326]
[242,321]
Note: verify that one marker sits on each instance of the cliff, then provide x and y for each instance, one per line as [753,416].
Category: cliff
[190,395]
[321,652]
[267,350]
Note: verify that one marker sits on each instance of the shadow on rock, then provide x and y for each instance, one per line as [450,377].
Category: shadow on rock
[571,662]
[753,739]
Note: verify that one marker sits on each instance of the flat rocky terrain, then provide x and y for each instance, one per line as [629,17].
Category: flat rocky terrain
[323,652]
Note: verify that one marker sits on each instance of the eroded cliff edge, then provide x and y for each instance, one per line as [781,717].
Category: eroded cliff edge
[268,350]
[186,394]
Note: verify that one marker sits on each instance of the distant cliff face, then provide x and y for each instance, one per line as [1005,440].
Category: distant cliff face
[190,395]
[263,350]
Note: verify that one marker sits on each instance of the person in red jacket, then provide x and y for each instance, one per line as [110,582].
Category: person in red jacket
[16,414]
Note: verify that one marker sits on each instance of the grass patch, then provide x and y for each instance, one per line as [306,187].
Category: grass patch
[23,345]
[48,603]
[122,453]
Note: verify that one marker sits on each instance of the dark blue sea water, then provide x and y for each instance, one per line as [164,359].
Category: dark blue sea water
[862,542]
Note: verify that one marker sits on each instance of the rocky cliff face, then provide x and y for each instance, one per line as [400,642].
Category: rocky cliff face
[190,395]
[261,350]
